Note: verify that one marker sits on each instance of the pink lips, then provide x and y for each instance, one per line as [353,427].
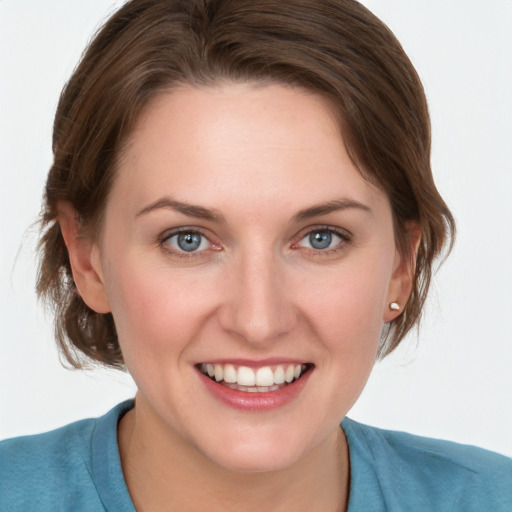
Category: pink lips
[261,401]
[257,364]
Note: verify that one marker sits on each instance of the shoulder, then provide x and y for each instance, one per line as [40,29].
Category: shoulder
[52,470]
[48,449]
[35,469]
[441,475]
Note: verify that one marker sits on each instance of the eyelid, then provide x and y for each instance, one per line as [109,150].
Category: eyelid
[342,232]
[170,233]
[345,235]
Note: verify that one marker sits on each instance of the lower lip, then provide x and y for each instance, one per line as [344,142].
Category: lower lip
[247,401]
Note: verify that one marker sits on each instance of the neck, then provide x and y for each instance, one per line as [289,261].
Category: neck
[163,472]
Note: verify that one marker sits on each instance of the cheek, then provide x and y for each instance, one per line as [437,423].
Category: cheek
[350,305]
[346,316]
[154,307]
[348,321]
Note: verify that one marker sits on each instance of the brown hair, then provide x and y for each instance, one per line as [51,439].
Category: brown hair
[336,48]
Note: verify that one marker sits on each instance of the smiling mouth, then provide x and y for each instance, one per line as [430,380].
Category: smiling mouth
[261,380]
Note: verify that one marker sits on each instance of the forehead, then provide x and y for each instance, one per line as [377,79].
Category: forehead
[232,141]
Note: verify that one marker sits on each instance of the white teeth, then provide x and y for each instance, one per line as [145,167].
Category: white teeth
[262,380]
[246,376]
[254,389]
[219,372]
[264,376]
[279,375]
[289,374]
[230,374]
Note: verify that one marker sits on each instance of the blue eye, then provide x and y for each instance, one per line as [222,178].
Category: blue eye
[321,239]
[188,241]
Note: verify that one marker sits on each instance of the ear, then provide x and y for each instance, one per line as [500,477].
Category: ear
[404,268]
[84,257]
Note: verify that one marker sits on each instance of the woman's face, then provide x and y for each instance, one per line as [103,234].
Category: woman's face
[239,238]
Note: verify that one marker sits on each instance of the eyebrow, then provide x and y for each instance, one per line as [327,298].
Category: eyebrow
[329,207]
[187,209]
[200,212]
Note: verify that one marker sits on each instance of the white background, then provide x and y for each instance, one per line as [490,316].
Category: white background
[453,381]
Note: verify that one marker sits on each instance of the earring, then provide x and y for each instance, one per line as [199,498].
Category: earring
[394,306]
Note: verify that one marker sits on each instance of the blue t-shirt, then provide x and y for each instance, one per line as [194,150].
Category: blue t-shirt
[78,468]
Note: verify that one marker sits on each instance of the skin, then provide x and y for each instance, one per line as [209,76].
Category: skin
[256,156]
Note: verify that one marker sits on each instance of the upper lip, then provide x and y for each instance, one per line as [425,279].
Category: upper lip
[251,363]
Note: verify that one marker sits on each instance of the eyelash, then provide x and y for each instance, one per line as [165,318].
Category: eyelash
[345,238]
[167,236]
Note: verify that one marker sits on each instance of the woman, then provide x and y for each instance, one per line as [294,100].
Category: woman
[241,212]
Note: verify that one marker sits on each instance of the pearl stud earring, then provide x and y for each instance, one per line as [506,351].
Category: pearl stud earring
[394,306]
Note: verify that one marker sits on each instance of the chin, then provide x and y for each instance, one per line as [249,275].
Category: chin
[254,461]
[259,452]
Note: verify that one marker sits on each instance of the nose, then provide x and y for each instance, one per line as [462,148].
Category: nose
[257,306]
